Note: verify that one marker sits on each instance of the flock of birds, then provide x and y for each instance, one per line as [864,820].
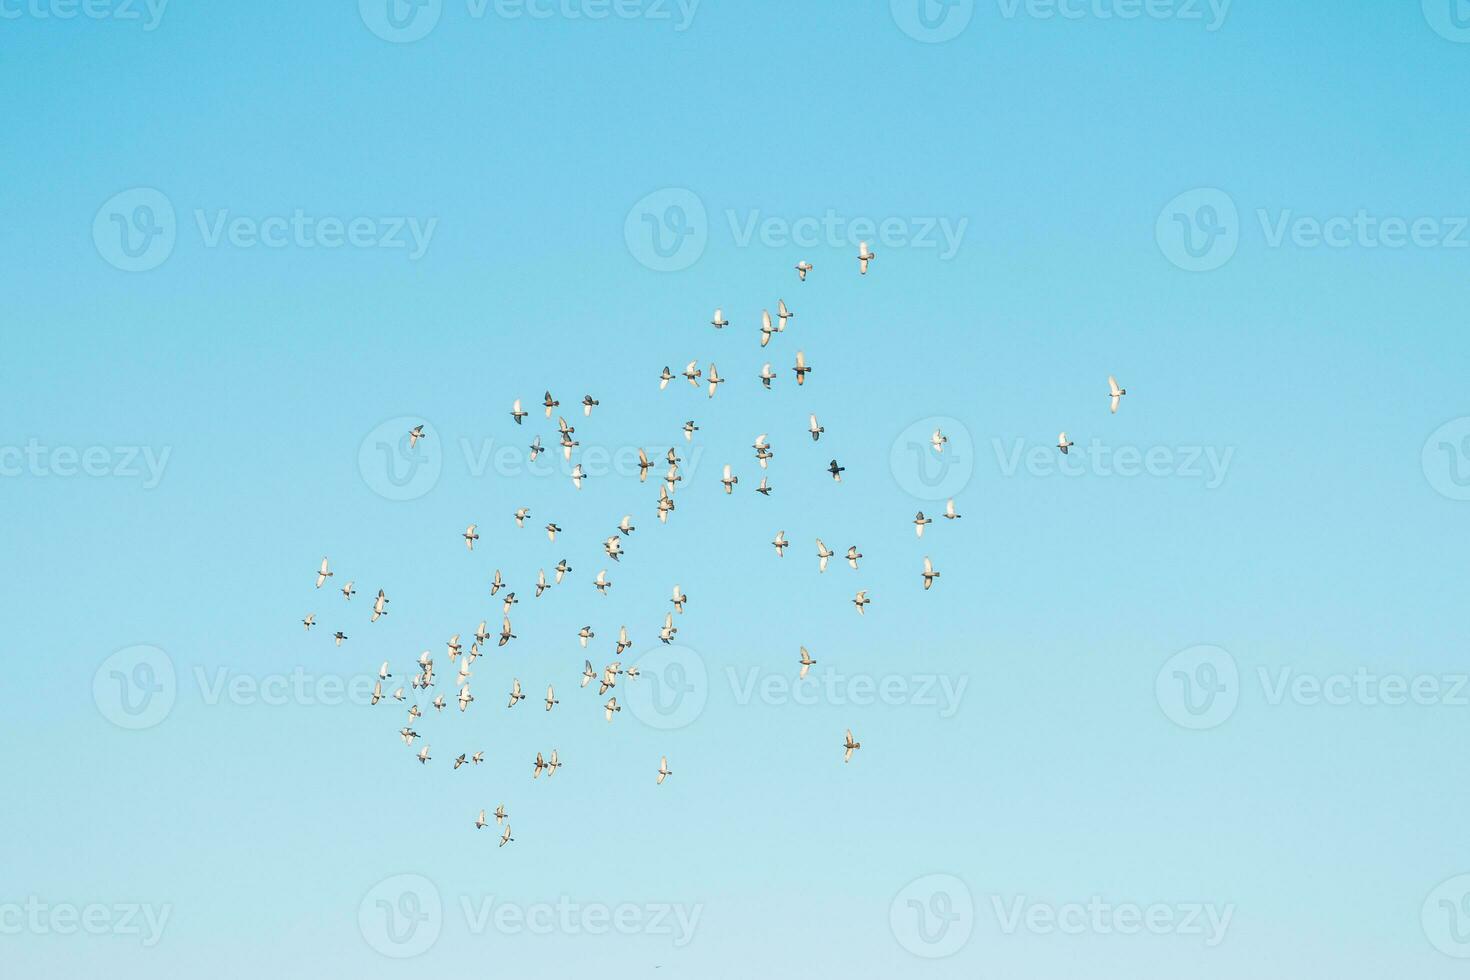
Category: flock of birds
[424,677]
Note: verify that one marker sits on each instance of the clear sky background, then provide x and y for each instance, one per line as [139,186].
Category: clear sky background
[1050,734]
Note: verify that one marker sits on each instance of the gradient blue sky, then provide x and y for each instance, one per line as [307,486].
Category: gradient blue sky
[1330,544]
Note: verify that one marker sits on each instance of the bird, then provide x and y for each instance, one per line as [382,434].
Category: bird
[929,573]
[949,511]
[515,693]
[865,256]
[714,379]
[767,375]
[380,605]
[718,321]
[764,488]
[584,634]
[610,707]
[728,480]
[577,476]
[520,516]
[549,403]
[614,547]
[783,312]
[632,672]
[588,674]
[802,268]
[801,368]
[689,429]
[664,378]
[480,821]
[601,582]
[408,735]
[540,765]
[848,746]
[424,756]
[1114,394]
[853,555]
[377,692]
[541,585]
[505,632]
[823,553]
[516,413]
[692,373]
[937,440]
[623,642]
[780,544]
[383,673]
[500,813]
[465,697]
[470,537]
[438,702]
[348,591]
[323,573]
[553,764]
[643,466]
[536,448]
[806,662]
[762,450]
[414,435]
[609,678]
[919,521]
[664,772]
[588,403]
[836,471]
[460,760]
[679,599]
[815,428]
[505,604]
[339,636]
[551,530]
[550,697]
[861,600]
[767,329]
[309,621]
[669,629]
[561,570]
[1063,444]
[496,584]
[506,838]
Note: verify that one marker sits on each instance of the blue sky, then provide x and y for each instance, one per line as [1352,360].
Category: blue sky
[1203,674]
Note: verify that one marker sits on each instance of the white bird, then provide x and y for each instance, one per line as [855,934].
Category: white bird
[1114,394]
[601,582]
[521,514]
[541,585]
[414,435]
[348,592]
[609,678]
[551,530]
[584,634]
[848,746]
[802,268]
[339,636]
[540,765]
[383,674]
[767,375]
[496,584]
[1063,444]
[632,672]
[664,772]
[806,662]
[480,821]
[762,450]
[460,760]
[611,706]
[815,428]
[782,312]
[505,631]
[689,429]
[536,448]
[664,378]
[714,379]
[553,765]
[380,605]
[424,753]
[589,403]
[515,693]
[864,257]
[718,321]
[614,547]
[669,629]
[929,573]
[438,702]
[853,555]
[377,692]
[679,599]
[465,697]
[625,526]
[451,645]
[477,758]
[643,466]
[309,621]
[506,838]
[549,404]
[780,544]
[516,413]
[801,368]
[550,697]
[500,813]
[623,642]
[765,487]
[949,511]
[577,476]
[728,480]
[692,373]
[861,600]
[823,553]
[937,440]
[323,574]
[470,537]
[408,735]
[588,674]
[767,328]
[919,522]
